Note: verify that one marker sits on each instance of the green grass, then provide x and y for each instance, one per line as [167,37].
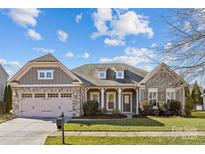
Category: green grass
[139,124]
[198,114]
[91,140]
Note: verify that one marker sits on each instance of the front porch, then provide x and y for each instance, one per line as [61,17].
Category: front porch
[115,100]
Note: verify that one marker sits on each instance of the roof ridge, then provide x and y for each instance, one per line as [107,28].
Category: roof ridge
[45,58]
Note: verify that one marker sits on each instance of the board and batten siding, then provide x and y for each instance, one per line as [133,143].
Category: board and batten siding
[162,80]
[59,77]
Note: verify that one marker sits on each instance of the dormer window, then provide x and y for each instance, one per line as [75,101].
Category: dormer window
[102,74]
[120,75]
[45,74]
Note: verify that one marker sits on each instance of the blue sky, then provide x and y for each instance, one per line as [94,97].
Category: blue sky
[81,36]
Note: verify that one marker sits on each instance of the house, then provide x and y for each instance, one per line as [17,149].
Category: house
[44,87]
[3,79]
[203,95]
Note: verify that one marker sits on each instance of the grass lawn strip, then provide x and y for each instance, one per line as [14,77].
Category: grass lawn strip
[139,124]
[91,140]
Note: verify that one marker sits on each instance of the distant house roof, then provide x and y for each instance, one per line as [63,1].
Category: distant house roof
[88,74]
[46,58]
[1,67]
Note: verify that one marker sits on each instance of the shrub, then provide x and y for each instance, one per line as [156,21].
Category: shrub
[2,107]
[175,108]
[146,107]
[115,111]
[163,108]
[90,108]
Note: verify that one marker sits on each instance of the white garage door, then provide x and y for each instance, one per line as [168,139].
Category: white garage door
[46,105]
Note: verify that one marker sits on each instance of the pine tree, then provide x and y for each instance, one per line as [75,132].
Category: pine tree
[196,95]
[189,103]
[9,99]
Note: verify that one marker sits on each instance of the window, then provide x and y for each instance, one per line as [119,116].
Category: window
[110,100]
[40,95]
[94,96]
[152,96]
[120,75]
[26,95]
[52,95]
[66,95]
[170,94]
[102,74]
[45,74]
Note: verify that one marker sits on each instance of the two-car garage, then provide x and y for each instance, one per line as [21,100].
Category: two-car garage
[45,104]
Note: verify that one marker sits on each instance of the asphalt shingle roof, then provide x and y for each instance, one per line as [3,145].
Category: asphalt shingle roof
[89,74]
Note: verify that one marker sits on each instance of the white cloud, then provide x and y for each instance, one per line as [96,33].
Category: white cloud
[133,56]
[114,42]
[24,17]
[10,63]
[153,45]
[131,23]
[101,16]
[167,46]
[78,17]
[44,50]
[62,36]
[122,24]
[69,54]
[85,55]
[33,35]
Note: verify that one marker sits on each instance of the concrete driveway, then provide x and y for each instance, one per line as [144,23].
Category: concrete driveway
[26,131]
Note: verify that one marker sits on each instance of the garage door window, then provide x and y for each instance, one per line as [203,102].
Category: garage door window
[40,95]
[26,95]
[53,95]
[66,95]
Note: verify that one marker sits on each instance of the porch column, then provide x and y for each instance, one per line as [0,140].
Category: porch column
[137,101]
[86,97]
[102,90]
[119,98]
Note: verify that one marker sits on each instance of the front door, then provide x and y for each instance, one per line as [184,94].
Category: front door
[126,103]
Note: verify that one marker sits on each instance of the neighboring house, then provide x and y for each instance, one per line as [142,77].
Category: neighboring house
[44,87]
[203,95]
[3,79]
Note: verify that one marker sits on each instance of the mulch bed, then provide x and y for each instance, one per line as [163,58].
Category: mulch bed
[103,116]
[7,117]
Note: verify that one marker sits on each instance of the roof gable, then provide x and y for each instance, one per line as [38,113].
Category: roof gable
[167,69]
[46,58]
[44,61]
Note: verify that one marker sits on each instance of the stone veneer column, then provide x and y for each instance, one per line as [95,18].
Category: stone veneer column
[102,90]
[119,98]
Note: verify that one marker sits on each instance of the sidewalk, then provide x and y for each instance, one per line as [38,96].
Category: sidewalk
[132,134]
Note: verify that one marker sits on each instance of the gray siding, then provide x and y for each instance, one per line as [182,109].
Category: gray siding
[161,81]
[3,80]
[59,77]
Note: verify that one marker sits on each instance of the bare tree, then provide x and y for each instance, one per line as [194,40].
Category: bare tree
[185,50]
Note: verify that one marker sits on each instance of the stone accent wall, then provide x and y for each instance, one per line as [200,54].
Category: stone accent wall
[76,97]
[162,80]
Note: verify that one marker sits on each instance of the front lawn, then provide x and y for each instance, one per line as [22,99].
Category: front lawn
[91,140]
[198,114]
[139,124]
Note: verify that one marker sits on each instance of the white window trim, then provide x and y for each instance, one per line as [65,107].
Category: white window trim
[104,72]
[45,73]
[107,93]
[171,90]
[91,96]
[153,90]
[130,93]
[120,77]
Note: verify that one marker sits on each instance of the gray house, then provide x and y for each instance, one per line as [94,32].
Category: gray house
[3,79]
[44,87]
